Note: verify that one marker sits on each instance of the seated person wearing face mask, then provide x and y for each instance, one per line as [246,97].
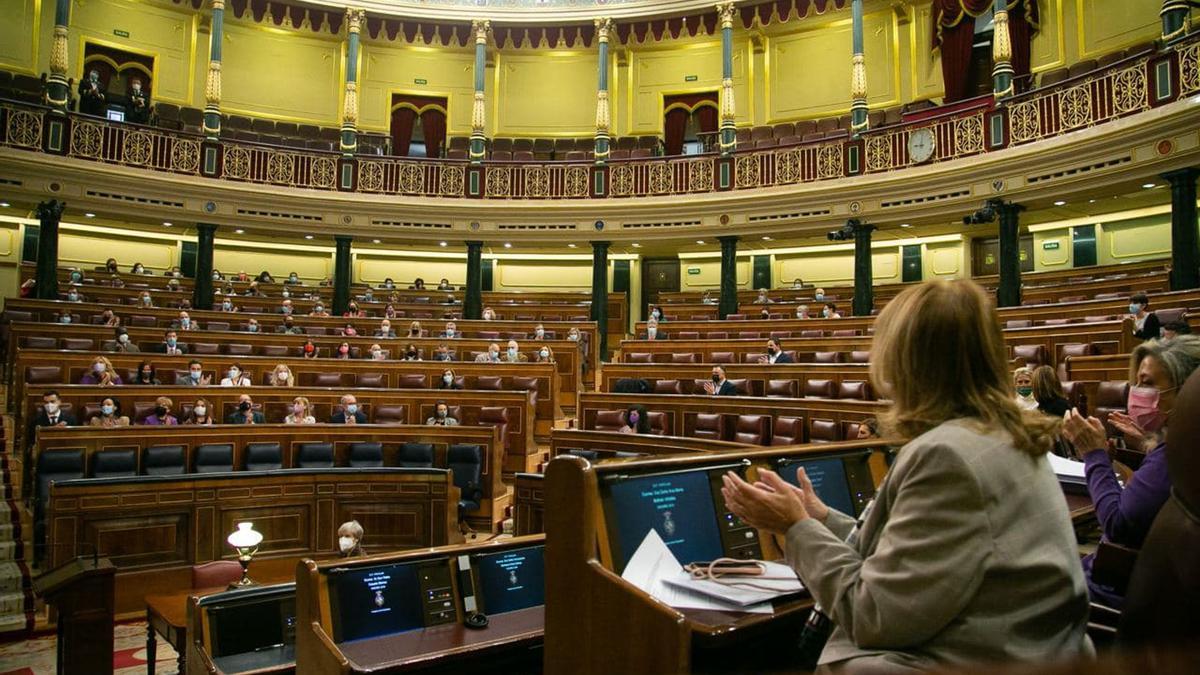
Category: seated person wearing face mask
[775,352]
[653,332]
[719,385]
[252,326]
[385,330]
[170,344]
[121,343]
[162,413]
[376,353]
[184,322]
[411,353]
[289,327]
[442,353]
[545,355]
[236,377]
[513,353]
[245,412]
[441,416]
[1145,323]
[228,306]
[350,536]
[319,310]
[110,415]
[637,421]
[200,414]
[451,330]
[301,412]
[349,414]
[492,355]
[449,381]
[195,376]
[74,295]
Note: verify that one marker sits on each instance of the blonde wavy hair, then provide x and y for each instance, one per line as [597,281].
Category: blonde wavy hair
[939,355]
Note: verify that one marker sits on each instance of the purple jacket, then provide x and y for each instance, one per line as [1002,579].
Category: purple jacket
[153,420]
[1125,515]
[90,378]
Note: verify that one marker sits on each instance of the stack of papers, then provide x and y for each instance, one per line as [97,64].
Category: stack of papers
[655,570]
[1066,468]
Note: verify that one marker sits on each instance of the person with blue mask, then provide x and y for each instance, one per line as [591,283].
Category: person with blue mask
[110,415]
[195,376]
[350,413]
[513,353]
[1146,325]
[171,345]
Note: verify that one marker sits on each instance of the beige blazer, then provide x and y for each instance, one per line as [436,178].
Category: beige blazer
[966,555]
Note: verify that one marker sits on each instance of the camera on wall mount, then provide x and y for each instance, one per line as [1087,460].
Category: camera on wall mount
[985,214]
[846,232]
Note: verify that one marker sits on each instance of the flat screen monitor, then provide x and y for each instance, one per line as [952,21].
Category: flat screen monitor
[242,626]
[685,508]
[368,602]
[115,114]
[829,480]
[511,580]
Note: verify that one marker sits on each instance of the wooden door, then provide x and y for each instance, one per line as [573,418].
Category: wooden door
[659,275]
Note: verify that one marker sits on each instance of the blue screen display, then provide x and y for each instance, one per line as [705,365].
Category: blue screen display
[679,506]
[376,601]
[828,478]
[512,580]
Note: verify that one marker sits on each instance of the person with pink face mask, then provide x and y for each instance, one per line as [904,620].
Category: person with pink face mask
[1156,371]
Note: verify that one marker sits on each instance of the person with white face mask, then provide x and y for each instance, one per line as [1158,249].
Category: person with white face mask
[236,377]
[139,103]
[1157,371]
[350,536]
[1146,325]
[441,416]
[301,412]
[110,415]
[653,332]
[201,413]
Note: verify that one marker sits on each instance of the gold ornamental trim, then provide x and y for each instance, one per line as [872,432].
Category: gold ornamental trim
[858,77]
[478,113]
[603,118]
[58,52]
[212,84]
[350,106]
[603,27]
[1001,40]
[481,28]
[728,108]
[726,12]
[355,18]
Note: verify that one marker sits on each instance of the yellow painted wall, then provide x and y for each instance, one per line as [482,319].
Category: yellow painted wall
[282,74]
[546,93]
[944,260]
[1104,26]
[655,72]
[565,275]
[20,34]
[1056,259]
[710,273]
[87,248]
[373,268]
[281,260]
[386,70]
[1134,240]
[11,236]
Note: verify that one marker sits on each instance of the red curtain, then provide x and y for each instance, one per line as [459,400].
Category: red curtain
[403,119]
[674,127]
[706,119]
[1023,24]
[954,32]
[433,123]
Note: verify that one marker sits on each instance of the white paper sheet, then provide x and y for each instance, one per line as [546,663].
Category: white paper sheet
[777,580]
[1066,468]
[653,564]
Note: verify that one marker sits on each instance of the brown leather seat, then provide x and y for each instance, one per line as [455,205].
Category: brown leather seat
[78,344]
[782,388]
[812,333]
[824,431]
[818,389]
[851,389]
[39,342]
[709,425]
[44,375]
[1031,355]
[496,416]
[1018,323]
[658,423]
[845,332]
[239,349]
[327,379]
[688,335]
[530,384]
[412,381]
[274,350]
[218,325]
[686,357]
[391,414]
[753,429]
[718,335]
[753,357]
[371,381]
[860,356]
[609,420]
[638,357]
[742,385]
[1166,316]
[1164,589]
[827,357]
[1073,392]
[489,382]
[735,317]
[787,431]
[749,335]
[1072,298]
[667,387]
[206,348]
[1071,350]
[143,321]
[1111,396]
[218,573]
[720,357]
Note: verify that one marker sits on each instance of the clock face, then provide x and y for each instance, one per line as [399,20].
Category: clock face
[920,145]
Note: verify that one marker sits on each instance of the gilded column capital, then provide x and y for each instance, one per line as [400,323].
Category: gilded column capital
[58,51]
[350,105]
[728,109]
[481,27]
[218,4]
[603,27]
[355,18]
[212,84]
[478,113]
[603,117]
[726,10]
[1002,41]
[858,77]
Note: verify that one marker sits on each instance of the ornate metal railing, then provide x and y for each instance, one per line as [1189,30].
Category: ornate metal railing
[1124,88]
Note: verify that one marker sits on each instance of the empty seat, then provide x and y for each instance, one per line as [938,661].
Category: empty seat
[415,455]
[239,349]
[412,381]
[206,348]
[39,342]
[489,382]
[748,335]
[53,466]
[213,458]
[78,344]
[683,358]
[782,388]
[1166,316]
[372,380]
[1111,396]
[218,325]
[114,463]
[496,416]
[824,431]
[667,387]
[688,335]
[1031,355]
[845,332]
[710,425]
[812,333]
[753,429]
[327,379]
[274,350]
[314,456]
[366,454]
[818,389]
[850,389]
[787,431]
[658,423]
[609,420]
[466,464]
[720,357]
[44,374]
[1018,323]
[163,460]
[391,414]
[263,457]
[827,357]
[860,356]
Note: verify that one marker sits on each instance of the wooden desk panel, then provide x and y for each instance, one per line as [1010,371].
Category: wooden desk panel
[611,442]
[757,375]
[521,451]
[487,517]
[154,531]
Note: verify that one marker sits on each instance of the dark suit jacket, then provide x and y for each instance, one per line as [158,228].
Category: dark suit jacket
[161,348]
[1151,328]
[239,417]
[43,420]
[784,358]
[340,417]
[727,389]
[657,336]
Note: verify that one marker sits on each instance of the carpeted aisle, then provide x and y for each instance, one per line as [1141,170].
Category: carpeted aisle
[35,656]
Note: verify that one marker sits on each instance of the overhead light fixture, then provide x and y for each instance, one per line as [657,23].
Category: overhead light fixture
[1060,203]
[89,215]
[4,205]
[1091,201]
[572,245]
[700,241]
[375,241]
[239,231]
[1149,185]
[767,238]
[167,223]
[507,244]
[308,236]
[637,245]
[442,244]
[905,224]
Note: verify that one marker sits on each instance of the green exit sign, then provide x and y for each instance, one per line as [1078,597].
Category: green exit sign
[420,80]
[693,270]
[690,78]
[1050,245]
[120,33]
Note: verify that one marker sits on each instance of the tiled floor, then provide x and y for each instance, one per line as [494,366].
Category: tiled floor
[36,655]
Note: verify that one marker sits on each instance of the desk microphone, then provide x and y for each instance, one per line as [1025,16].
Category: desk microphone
[475,618]
[95,549]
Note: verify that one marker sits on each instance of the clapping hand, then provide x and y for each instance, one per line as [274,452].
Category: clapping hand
[769,504]
[1085,433]
[709,387]
[1135,436]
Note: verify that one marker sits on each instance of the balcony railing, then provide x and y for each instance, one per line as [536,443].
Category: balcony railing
[1122,89]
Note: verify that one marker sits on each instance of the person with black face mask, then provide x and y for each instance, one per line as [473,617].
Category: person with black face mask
[775,353]
[719,385]
[441,416]
[245,413]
